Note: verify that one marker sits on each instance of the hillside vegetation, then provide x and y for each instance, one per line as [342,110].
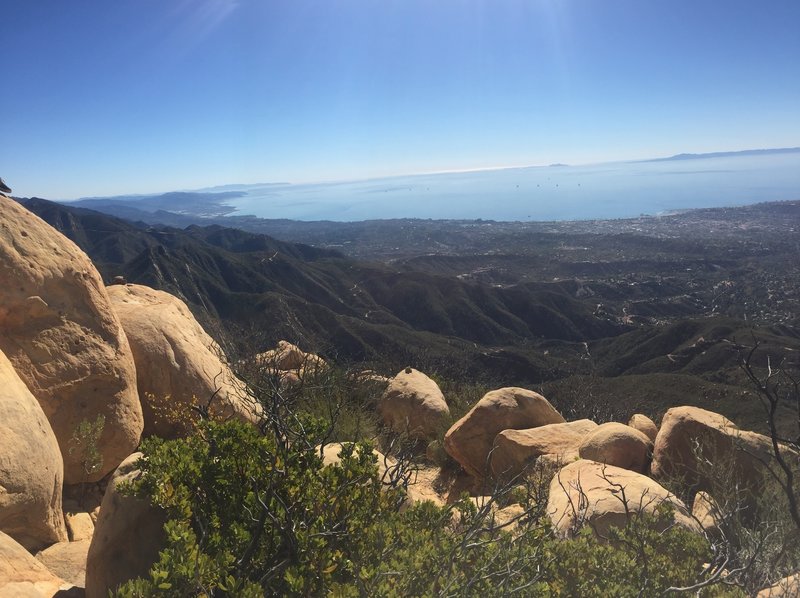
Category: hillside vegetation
[606,307]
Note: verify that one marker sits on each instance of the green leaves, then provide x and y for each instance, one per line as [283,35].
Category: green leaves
[252,514]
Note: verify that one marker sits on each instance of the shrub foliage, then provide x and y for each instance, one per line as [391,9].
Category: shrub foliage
[252,514]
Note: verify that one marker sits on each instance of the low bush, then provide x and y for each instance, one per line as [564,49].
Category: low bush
[252,513]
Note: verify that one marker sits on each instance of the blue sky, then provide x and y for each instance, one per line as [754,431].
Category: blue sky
[140,96]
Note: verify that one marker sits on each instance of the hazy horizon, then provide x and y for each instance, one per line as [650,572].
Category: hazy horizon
[222,187]
[103,99]
[556,192]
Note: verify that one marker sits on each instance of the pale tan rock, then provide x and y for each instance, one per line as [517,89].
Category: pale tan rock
[617,444]
[94,515]
[591,493]
[60,334]
[788,587]
[22,576]
[79,526]
[705,511]
[177,363]
[515,449]
[413,404]
[508,518]
[286,357]
[372,377]
[419,487]
[386,464]
[127,538]
[67,560]
[31,469]
[331,456]
[471,438]
[645,425]
[497,516]
[690,438]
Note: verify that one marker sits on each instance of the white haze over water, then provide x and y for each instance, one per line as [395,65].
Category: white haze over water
[612,190]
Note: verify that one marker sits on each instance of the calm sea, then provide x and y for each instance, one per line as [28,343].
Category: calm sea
[612,190]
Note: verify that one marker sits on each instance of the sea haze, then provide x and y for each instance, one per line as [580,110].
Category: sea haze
[557,192]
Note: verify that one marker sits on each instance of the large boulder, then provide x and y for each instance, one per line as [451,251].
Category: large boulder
[127,537]
[645,425]
[62,337]
[471,438]
[617,444]
[515,449]
[414,404]
[177,363]
[22,576]
[603,496]
[31,469]
[703,450]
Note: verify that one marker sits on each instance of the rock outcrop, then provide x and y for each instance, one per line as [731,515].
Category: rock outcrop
[591,493]
[127,537]
[471,438]
[177,363]
[288,357]
[31,469]
[619,445]
[691,437]
[645,425]
[515,449]
[22,576]
[413,404]
[59,332]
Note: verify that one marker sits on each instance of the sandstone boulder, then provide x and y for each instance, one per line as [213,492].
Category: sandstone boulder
[31,469]
[79,526]
[691,437]
[127,537]
[287,357]
[471,438]
[591,493]
[59,332]
[22,576]
[617,444]
[645,425]
[788,587]
[177,363]
[413,404]
[418,488]
[705,511]
[515,449]
[331,456]
[67,560]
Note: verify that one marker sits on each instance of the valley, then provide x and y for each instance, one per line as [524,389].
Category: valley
[624,314]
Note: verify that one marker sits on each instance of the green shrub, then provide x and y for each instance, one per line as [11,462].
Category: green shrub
[251,514]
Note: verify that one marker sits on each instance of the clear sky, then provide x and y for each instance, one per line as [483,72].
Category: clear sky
[107,97]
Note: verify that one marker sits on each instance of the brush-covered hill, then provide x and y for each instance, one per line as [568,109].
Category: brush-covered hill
[642,340]
[319,295]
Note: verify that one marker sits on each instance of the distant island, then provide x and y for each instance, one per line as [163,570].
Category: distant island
[753,152]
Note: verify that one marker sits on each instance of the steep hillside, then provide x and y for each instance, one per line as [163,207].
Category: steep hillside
[611,335]
[361,310]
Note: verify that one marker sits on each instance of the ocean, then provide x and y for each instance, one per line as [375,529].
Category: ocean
[557,192]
